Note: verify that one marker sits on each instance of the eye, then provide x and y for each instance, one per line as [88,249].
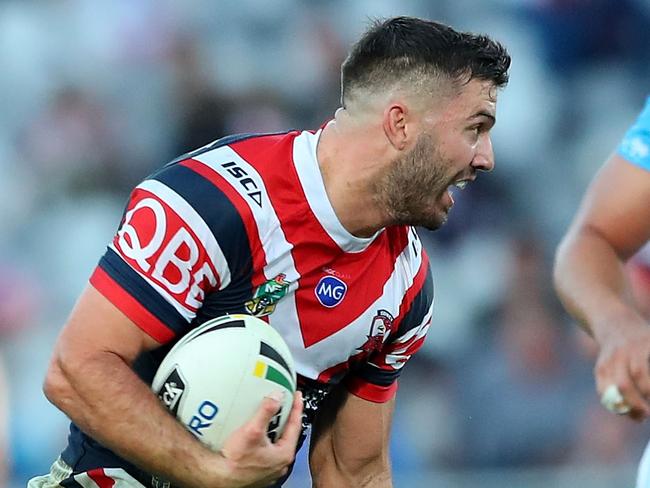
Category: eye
[475,130]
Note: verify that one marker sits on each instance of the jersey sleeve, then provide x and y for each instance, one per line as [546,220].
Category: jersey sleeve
[635,146]
[180,239]
[376,379]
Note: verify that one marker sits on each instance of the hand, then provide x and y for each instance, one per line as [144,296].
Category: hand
[252,460]
[624,361]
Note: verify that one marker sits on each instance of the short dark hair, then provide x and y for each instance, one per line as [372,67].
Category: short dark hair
[400,47]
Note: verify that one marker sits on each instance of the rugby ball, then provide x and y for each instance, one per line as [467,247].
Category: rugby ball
[215,378]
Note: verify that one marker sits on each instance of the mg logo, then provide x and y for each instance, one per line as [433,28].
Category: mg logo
[330,291]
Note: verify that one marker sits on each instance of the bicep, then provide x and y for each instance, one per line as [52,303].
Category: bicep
[616,207]
[96,326]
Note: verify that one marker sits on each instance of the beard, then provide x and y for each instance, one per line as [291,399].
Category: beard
[411,187]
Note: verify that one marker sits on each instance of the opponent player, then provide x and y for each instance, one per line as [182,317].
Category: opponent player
[612,224]
[310,230]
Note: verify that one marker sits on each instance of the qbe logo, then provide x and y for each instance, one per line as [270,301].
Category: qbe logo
[161,245]
[330,291]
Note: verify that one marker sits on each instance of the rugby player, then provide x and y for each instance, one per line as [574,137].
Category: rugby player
[311,230]
[612,225]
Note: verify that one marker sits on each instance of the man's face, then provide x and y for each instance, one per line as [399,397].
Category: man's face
[453,145]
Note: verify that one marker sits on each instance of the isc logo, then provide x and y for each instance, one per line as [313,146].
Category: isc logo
[330,291]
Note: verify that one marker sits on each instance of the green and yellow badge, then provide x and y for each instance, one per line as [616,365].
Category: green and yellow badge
[267,295]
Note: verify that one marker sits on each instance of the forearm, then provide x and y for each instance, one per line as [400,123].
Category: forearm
[106,399]
[590,280]
[332,469]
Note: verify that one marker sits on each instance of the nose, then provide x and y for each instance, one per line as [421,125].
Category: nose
[484,157]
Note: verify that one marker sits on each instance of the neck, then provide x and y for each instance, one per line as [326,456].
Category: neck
[348,163]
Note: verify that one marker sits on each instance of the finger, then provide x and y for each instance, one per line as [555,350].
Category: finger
[616,373]
[639,407]
[268,408]
[293,427]
[640,373]
[632,393]
[613,400]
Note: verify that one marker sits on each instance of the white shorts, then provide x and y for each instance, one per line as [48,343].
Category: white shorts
[643,475]
[96,478]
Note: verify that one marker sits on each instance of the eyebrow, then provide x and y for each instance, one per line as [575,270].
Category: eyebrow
[483,113]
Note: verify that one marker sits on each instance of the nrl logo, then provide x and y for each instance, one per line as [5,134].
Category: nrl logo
[267,295]
[381,326]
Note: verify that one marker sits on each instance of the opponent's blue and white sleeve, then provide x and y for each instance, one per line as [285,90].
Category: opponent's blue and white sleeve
[635,146]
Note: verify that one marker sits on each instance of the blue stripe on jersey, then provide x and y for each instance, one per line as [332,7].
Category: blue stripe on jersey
[136,286]
[635,146]
[218,212]
[224,141]
[419,308]
[70,483]
[377,376]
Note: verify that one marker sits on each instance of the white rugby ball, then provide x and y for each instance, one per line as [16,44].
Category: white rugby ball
[215,378]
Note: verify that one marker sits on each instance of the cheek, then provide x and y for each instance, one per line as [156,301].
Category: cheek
[462,153]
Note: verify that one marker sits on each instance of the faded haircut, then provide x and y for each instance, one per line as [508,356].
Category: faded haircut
[416,54]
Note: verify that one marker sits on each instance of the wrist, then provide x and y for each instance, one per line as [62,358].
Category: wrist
[616,324]
[215,471]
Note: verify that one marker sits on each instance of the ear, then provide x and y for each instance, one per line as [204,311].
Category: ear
[395,124]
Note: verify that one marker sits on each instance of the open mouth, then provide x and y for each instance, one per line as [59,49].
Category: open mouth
[460,184]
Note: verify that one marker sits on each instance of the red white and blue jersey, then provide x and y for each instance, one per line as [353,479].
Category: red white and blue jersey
[244,225]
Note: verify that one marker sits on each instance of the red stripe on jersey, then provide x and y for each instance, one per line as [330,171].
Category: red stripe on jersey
[412,292]
[364,273]
[130,307]
[99,477]
[257,251]
[369,391]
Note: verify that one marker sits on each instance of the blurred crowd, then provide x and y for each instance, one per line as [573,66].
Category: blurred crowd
[98,93]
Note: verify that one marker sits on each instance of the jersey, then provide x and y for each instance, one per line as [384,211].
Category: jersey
[635,146]
[244,225]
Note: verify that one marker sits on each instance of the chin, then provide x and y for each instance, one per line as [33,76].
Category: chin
[431,222]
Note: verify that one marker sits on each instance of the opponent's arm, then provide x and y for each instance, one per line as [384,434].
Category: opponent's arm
[611,225]
[91,380]
[349,443]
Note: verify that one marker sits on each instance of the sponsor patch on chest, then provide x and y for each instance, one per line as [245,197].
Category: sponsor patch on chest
[330,291]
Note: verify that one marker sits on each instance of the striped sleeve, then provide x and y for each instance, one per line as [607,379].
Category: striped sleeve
[180,239]
[376,379]
[635,146]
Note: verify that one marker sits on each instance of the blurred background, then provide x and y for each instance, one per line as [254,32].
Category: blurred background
[98,93]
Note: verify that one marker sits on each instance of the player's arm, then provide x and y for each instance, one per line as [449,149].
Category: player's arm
[611,225]
[91,380]
[349,442]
